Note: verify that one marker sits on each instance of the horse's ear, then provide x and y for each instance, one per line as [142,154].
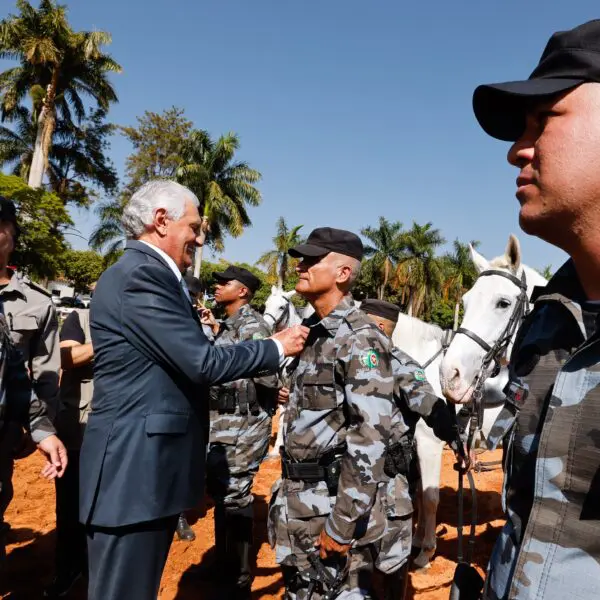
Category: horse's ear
[289,294]
[513,253]
[481,263]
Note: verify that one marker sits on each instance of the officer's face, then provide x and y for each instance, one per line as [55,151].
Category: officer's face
[228,291]
[558,186]
[182,236]
[317,276]
[7,241]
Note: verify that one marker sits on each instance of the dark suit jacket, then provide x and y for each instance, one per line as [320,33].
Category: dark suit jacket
[143,451]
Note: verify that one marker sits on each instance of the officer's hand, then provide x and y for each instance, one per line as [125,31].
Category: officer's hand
[283,396]
[292,339]
[56,455]
[327,545]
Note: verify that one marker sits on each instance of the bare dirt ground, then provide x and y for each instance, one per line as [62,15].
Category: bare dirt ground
[31,541]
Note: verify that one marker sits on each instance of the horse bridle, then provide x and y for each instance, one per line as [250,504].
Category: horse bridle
[286,312]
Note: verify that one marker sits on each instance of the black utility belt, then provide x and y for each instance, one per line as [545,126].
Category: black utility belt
[227,401]
[325,468]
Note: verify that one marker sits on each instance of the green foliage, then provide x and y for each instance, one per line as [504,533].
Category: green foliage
[82,267]
[42,218]
[442,313]
[547,272]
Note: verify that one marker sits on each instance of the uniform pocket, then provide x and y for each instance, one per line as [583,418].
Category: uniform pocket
[22,327]
[166,424]
[318,389]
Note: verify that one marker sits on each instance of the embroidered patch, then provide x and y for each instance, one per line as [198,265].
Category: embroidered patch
[258,336]
[370,359]
[420,375]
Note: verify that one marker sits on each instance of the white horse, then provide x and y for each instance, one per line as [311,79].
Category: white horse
[424,342]
[494,307]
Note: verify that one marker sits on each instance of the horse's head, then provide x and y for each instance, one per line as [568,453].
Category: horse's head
[494,307]
[278,308]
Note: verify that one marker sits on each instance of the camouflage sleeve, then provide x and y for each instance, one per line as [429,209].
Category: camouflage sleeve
[369,388]
[421,399]
[255,330]
[22,402]
[45,359]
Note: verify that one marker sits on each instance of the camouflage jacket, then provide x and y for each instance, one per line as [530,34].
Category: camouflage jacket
[341,395]
[246,324]
[18,401]
[550,545]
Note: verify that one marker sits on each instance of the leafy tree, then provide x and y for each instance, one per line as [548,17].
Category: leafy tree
[279,264]
[547,272]
[442,313]
[42,217]
[156,141]
[385,250]
[419,274]
[77,163]
[225,187]
[56,66]
[82,267]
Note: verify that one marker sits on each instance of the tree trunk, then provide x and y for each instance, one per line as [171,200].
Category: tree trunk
[200,249]
[456,312]
[45,131]
[409,310]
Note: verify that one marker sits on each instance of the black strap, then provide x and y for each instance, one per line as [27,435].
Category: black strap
[475,338]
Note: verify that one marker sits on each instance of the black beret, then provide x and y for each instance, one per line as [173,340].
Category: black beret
[324,240]
[251,281]
[380,308]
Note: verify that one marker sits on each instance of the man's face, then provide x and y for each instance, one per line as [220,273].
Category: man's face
[7,241]
[317,276]
[227,292]
[558,186]
[182,237]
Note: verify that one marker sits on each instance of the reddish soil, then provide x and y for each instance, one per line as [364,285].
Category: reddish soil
[31,542]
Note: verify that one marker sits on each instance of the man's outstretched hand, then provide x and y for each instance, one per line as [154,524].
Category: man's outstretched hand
[292,339]
[56,456]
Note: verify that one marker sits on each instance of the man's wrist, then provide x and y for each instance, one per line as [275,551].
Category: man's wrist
[280,350]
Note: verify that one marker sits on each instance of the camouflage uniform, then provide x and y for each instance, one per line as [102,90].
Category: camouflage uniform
[414,399]
[18,402]
[341,404]
[33,325]
[240,429]
[549,547]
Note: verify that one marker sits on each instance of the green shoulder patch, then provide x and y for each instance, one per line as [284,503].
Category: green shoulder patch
[370,359]
[258,336]
[420,375]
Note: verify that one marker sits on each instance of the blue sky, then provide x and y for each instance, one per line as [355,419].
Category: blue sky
[349,109]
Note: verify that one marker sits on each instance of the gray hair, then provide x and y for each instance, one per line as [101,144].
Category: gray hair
[155,194]
[347,261]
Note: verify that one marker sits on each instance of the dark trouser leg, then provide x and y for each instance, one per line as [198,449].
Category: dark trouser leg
[239,545]
[9,436]
[395,584]
[126,563]
[71,547]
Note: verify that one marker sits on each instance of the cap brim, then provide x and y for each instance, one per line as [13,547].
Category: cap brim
[501,108]
[307,250]
[221,276]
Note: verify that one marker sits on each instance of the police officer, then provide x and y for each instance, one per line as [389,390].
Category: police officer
[337,425]
[414,398]
[548,547]
[19,404]
[240,428]
[33,327]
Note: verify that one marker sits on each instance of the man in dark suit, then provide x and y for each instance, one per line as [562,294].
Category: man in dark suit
[142,459]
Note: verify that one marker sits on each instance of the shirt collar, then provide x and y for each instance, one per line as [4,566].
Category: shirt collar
[14,285]
[166,258]
[333,320]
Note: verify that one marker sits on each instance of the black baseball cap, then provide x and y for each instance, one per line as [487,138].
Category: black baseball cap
[324,240]
[569,59]
[380,308]
[245,277]
[8,213]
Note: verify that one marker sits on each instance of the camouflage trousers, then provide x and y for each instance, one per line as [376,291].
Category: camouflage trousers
[238,445]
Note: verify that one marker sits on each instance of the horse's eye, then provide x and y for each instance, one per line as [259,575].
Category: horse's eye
[503,303]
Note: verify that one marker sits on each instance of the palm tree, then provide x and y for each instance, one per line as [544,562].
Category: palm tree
[77,156]
[223,186]
[460,276]
[57,66]
[547,272]
[278,263]
[386,249]
[419,273]
[109,236]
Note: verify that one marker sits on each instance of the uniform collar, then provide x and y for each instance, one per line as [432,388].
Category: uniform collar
[15,285]
[334,319]
[564,286]
[242,312]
